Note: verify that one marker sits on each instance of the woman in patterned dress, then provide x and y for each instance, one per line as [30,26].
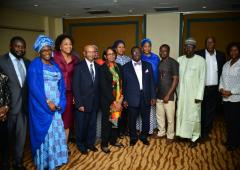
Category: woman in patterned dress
[154,60]
[47,102]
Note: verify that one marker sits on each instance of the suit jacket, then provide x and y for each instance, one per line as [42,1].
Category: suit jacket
[85,91]
[106,87]
[19,94]
[131,87]
[221,59]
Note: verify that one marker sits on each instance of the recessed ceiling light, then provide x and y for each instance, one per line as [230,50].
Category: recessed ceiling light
[35,5]
[204,7]
[115,1]
[130,10]
[66,14]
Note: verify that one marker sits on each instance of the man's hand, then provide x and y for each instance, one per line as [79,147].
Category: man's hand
[3,113]
[198,101]
[125,104]
[3,117]
[81,109]
[166,99]
[4,109]
[153,102]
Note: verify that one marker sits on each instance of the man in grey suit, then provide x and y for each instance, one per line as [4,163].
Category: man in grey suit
[14,65]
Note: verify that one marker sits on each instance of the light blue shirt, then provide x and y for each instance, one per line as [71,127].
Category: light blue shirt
[122,60]
[15,64]
[230,80]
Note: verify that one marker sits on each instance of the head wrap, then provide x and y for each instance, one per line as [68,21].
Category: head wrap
[41,41]
[191,41]
[117,42]
[146,40]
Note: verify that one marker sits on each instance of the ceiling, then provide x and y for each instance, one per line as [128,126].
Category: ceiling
[81,8]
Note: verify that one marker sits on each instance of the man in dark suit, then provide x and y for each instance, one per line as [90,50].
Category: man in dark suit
[139,94]
[14,65]
[86,97]
[211,100]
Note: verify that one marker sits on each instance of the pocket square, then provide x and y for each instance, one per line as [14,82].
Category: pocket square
[146,71]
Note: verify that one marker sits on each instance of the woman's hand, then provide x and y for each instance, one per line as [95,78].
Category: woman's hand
[225,93]
[117,106]
[51,105]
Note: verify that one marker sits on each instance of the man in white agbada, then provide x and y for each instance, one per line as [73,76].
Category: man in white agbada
[190,93]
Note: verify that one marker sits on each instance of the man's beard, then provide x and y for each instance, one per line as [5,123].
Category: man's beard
[18,56]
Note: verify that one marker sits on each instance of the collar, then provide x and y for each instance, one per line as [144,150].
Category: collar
[12,56]
[206,51]
[88,62]
[137,63]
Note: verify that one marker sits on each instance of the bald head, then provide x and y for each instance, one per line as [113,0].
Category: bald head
[89,52]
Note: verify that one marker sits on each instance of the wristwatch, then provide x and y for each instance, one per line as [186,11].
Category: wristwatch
[58,108]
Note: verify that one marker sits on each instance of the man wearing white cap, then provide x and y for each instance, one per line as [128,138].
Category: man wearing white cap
[190,93]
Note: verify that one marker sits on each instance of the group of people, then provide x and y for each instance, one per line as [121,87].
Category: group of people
[57,92]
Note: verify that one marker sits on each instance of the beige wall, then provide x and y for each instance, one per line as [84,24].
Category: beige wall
[164,29]
[27,25]
[160,28]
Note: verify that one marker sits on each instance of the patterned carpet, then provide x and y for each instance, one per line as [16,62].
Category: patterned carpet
[159,155]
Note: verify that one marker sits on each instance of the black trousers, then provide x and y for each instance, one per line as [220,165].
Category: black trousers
[133,113]
[123,122]
[108,133]
[85,124]
[4,142]
[209,109]
[17,127]
[232,117]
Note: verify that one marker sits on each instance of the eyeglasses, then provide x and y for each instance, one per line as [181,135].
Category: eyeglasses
[91,51]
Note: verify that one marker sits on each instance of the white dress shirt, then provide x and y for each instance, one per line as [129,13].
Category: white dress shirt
[212,69]
[93,66]
[15,64]
[138,70]
[230,80]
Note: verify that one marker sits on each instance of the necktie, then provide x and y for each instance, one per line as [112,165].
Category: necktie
[137,63]
[21,71]
[92,72]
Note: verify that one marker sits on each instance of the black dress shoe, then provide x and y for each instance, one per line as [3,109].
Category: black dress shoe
[93,148]
[193,144]
[5,166]
[204,139]
[19,167]
[69,151]
[145,142]
[83,151]
[231,148]
[121,136]
[133,142]
[117,144]
[105,149]
[72,139]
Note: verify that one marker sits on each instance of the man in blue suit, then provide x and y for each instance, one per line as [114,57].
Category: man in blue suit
[139,94]
[86,97]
